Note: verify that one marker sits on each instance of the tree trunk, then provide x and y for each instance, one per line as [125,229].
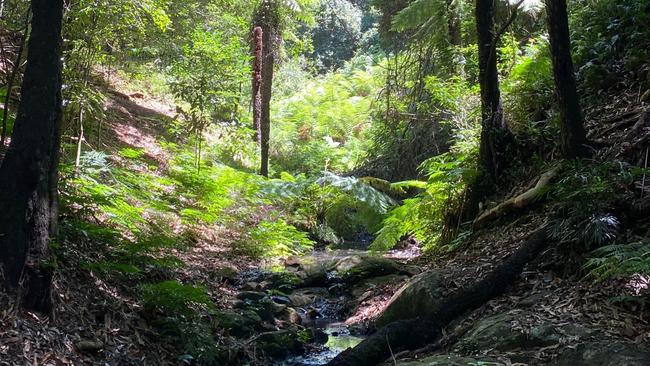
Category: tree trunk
[267,18]
[29,172]
[267,92]
[258,48]
[573,136]
[494,130]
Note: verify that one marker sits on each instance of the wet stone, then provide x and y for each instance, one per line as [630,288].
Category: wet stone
[251,295]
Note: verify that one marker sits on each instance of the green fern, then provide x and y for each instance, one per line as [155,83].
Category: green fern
[620,259]
[174,298]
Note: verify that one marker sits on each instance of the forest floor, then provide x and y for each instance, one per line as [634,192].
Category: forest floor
[552,314]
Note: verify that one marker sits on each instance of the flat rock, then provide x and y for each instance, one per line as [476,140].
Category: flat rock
[251,295]
[356,268]
[86,346]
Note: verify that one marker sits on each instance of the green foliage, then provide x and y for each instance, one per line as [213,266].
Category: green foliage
[179,308]
[427,17]
[620,259]
[330,206]
[130,153]
[323,126]
[585,196]
[336,35]
[425,215]
[529,89]
[417,118]
[207,78]
[606,33]
[174,298]
[277,239]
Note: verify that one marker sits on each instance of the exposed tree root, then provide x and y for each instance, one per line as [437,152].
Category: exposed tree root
[517,202]
[411,334]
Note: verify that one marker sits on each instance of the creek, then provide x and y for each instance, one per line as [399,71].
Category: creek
[332,284]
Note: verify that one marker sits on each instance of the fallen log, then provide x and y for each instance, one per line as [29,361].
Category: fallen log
[414,333]
[518,202]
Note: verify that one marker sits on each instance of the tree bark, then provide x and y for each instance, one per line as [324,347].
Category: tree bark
[258,48]
[29,172]
[267,18]
[573,135]
[494,130]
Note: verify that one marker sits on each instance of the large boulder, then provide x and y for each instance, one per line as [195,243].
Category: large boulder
[421,293]
[450,360]
[503,332]
[604,354]
[347,271]
[356,268]
[307,296]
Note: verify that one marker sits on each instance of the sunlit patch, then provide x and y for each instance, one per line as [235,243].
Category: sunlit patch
[638,284]
[410,252]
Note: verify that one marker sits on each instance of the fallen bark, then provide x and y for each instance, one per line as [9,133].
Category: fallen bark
[411,334]
[518,202]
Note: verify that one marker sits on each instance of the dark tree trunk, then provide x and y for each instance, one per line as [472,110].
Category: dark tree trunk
[574,138]
[267,93]
[29,174]
[257,82]
[267,18]
[494,131]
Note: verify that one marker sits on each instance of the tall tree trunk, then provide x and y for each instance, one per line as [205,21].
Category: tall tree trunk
[494,128]
[267,18]
[573,135]
[267,93]
[29,172]
[258,47]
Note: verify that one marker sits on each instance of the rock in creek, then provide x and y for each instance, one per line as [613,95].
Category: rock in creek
[421,292]
[348,270]
[290,315]
[251,295]
[279,344]
[239,324]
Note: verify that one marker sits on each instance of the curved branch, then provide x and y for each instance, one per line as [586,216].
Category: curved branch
[519,201]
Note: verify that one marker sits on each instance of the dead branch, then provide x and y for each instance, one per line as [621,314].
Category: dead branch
[517,202]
